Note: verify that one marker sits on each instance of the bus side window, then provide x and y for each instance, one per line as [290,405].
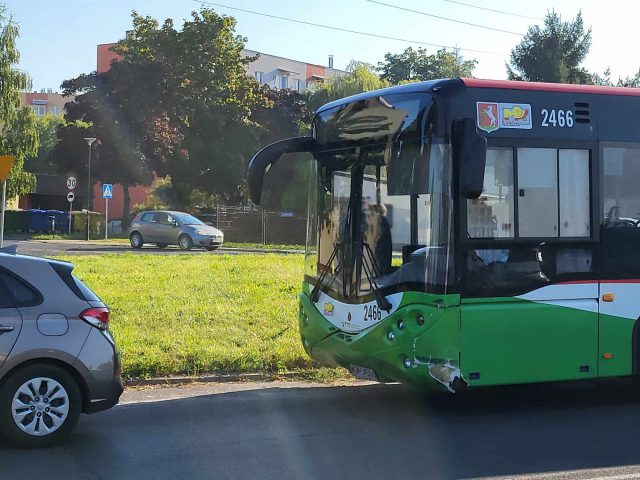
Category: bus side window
[620,234]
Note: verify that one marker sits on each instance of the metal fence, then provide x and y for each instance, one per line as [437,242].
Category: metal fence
[243,224]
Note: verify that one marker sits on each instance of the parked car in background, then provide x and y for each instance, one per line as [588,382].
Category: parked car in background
[164,228]
[57,356]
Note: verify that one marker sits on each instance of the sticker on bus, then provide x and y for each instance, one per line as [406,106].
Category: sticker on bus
[493,116]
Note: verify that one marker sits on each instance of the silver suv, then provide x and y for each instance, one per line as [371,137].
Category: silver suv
[173,228]
[57,356]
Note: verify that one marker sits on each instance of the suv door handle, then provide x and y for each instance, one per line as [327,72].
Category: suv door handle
[6,329]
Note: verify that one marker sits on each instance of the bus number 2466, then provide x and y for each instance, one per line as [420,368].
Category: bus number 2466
[372,313]
[557,118]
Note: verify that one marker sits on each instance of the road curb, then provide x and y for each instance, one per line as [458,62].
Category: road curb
[259,250]
[181,380]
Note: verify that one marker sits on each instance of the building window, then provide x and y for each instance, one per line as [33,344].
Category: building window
[39,110]
[283,82]
[259,76]
[299,85]
[55,110]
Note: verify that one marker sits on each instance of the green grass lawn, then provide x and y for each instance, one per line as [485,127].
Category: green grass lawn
[123,238]
[193,314]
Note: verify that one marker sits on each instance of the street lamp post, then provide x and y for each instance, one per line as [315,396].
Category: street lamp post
[89,141]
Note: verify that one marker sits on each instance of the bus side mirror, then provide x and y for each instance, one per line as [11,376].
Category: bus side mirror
[268,156]
[470,155]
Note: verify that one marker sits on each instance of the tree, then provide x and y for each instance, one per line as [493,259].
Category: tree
[359,78]
[46,126]
[417,65]
[112,108]
[18,133]
[605,79]
[552,53]
[285,115]
[201,131]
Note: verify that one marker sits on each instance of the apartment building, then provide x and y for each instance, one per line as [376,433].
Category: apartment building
[281,73]
[46,101]
[277,72]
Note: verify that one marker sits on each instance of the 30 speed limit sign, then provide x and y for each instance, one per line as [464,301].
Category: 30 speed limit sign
[71,183]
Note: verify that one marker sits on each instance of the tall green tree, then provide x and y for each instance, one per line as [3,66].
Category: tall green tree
[112,108]
[285,115]
[360,77]
[206,135]
[418,65]
[18,133]
[605,79]
[552,53]
[46,126]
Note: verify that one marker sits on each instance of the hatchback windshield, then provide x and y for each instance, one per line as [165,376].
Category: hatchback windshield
[186,219]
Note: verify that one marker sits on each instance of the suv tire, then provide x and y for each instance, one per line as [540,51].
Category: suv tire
[28,417]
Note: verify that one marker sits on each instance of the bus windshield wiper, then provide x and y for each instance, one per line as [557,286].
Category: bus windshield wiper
[315,293]
[370,271]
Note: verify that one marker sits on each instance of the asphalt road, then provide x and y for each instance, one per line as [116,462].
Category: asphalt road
[356,432]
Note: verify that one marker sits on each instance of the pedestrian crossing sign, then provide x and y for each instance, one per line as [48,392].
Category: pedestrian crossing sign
[107,190]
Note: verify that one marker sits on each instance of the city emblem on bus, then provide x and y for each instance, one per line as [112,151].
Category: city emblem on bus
[349,317]
[328,309]
[487,116]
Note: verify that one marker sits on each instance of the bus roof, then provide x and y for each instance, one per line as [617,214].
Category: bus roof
[551,87]
[479,83]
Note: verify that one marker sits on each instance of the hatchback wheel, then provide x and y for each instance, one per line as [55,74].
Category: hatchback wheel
[39,406]
[185,242]
[136,240]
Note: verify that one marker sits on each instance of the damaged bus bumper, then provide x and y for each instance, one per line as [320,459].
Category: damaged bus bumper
[416,344]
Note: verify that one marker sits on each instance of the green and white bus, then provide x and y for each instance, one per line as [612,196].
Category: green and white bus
[466,233]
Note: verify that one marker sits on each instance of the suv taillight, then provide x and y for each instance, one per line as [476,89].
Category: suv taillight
[97,317]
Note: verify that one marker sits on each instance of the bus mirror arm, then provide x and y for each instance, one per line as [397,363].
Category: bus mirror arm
[470,155]
[268,156]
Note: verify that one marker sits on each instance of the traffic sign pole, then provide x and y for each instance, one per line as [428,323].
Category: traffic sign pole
[106,217]
[6,162]
[4,203]
[71,185]
[107,193]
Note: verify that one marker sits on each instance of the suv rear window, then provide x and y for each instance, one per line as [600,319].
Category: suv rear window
[89,296]
[14,292]
[75,285]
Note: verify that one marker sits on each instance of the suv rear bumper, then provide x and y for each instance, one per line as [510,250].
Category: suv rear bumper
[99,365]
[100,404]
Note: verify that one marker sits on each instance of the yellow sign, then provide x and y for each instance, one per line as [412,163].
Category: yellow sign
[6,162]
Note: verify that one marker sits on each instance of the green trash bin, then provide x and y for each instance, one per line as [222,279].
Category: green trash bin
[11,220]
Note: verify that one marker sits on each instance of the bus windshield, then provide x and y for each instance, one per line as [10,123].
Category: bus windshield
[382,221]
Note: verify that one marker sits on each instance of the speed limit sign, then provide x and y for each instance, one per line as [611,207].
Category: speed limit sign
[71,183]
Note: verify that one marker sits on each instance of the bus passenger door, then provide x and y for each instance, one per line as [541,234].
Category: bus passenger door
[529,308]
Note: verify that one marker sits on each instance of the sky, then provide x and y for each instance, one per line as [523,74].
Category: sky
[58,39]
